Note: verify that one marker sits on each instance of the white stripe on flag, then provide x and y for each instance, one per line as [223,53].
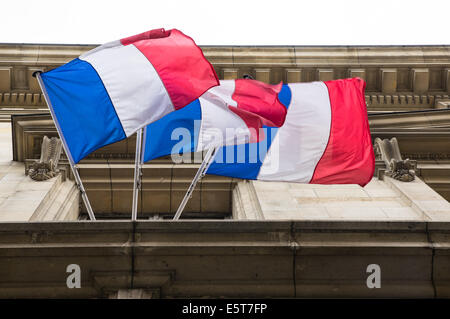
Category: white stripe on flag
[136,91]
[217,118]
[301,141]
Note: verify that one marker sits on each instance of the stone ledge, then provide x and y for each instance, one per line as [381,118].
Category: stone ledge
[422,199]
[226,258]
[37,54]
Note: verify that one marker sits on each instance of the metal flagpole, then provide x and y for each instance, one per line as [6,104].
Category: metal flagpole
[209,157]
[66,149]
[137,174]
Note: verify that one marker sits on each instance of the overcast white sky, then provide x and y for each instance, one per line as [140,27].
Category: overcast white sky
[229,22]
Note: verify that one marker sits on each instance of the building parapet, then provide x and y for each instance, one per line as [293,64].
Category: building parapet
[225,258]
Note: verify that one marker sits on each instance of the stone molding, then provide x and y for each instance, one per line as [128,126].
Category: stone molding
[245,203]
[413,120]
[54,54]
[399,77]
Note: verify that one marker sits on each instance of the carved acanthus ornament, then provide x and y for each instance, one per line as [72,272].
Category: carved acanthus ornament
[46,167]
[397,168]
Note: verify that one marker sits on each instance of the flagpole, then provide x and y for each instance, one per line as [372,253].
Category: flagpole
[137,174]
[209,157]
[74,168]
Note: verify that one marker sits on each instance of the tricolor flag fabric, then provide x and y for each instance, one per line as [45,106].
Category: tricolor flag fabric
[229,114]
[110,92]
[325,139]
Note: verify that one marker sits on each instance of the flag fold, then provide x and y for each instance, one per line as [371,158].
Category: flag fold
[229,114]
[324,138]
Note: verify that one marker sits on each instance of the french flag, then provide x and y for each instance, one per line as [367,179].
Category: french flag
[229,114]
[325,139]
[110,92]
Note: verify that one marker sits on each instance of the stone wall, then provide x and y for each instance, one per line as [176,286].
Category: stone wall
[234,259]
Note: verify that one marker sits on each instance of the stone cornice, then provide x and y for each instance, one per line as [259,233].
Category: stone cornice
[39,54]
[397,77]
[35,54]
[225,258]
[418,119]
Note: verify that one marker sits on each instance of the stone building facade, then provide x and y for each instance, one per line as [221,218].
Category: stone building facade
[238,238]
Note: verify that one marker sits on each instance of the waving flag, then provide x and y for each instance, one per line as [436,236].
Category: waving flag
[232,113]
[110,92]
[325,139]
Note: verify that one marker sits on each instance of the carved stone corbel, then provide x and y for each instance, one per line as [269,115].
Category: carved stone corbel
[135,294]
[46,167]
[389,152]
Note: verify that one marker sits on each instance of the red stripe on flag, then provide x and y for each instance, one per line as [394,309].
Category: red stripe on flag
[152,34]
[348,157]
[180,63]
[258,105]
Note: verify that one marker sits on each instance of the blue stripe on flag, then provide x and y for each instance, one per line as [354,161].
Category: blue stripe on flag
[177,132]
[245,160]
[285,95]
[82,107]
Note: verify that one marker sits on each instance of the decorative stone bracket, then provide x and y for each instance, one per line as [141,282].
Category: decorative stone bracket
[147,284]
[389,152]
[46,167]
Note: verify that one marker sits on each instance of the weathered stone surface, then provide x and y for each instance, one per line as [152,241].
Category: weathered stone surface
[135,294]
[5,79]
[360,73]
[47,166]
[421,80]
[245,204]
[225,258]
[388,80]
[388,151]
[325,74]
[23,199]
[230,74]
[447,79]
[422,198]
[377,201]
[262,75]
[293,75]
